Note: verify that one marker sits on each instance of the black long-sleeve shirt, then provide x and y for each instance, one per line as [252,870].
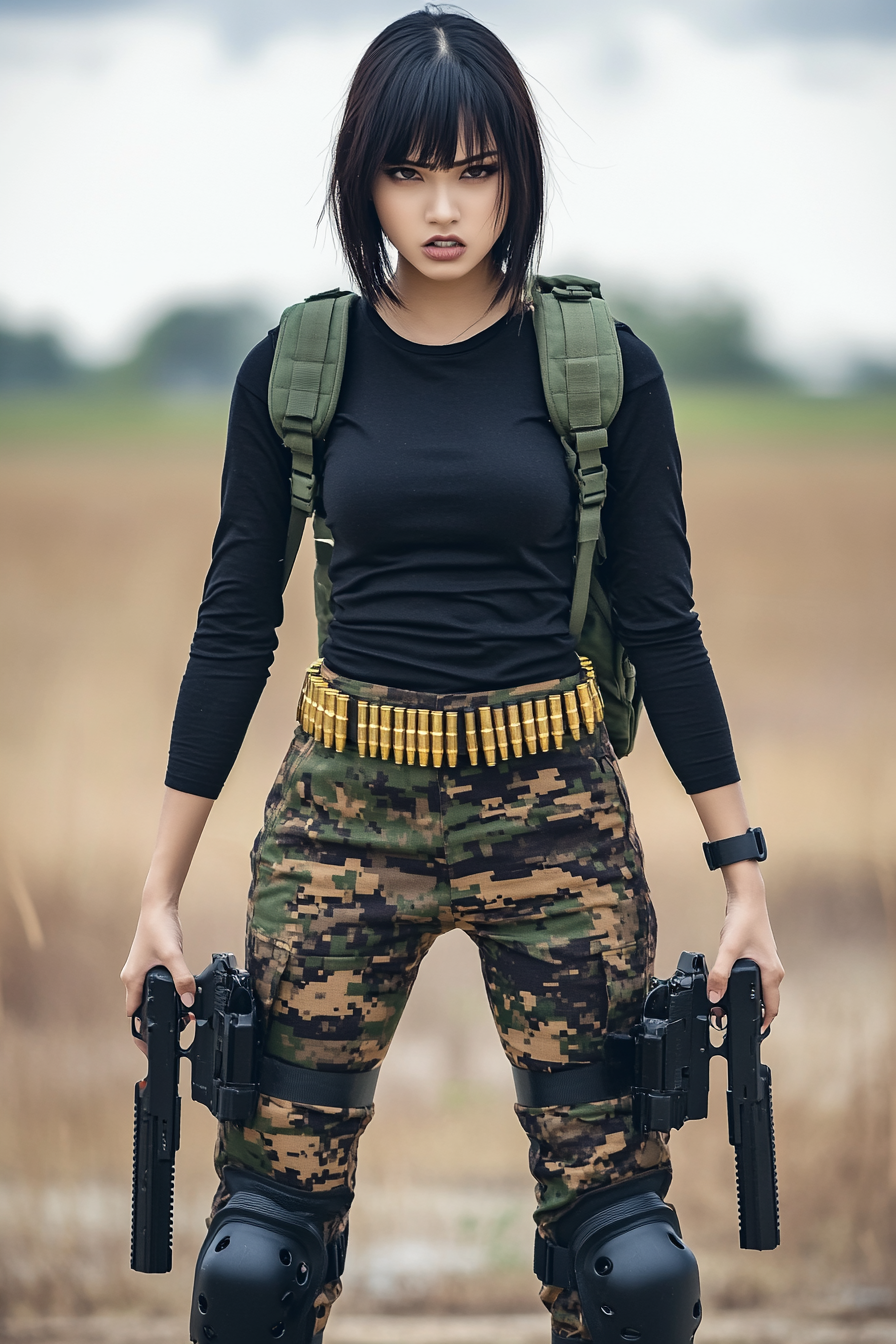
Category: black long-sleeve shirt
[453,514]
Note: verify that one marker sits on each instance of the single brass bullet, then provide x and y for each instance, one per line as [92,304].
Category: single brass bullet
[501,733]
[316,688]
[598,700]
[487,733]
[528,716]
[410,736]
[385,731]
[329,718]
[438,738]
[515,730]
[320,691]
[301,699]
[363,709]
[542,725]
[341,720]
[586,704]
[472,740]
[451,736]
[556,704]
[423,736]
[373,731]
[398,735]
[572,714]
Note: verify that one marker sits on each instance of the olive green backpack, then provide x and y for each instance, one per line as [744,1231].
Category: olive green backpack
[581,369]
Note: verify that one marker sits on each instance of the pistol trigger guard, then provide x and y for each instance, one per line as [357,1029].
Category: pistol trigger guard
[763,1036]
[138,1035]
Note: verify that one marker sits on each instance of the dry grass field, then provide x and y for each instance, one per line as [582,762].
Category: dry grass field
[106,517]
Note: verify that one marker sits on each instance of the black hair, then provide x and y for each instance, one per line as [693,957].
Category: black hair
[425,81]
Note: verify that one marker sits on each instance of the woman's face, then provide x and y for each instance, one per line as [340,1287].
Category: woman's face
[443,222]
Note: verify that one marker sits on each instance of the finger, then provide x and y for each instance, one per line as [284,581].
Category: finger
[717,980]
[184,982]
[133,994]
[771,998]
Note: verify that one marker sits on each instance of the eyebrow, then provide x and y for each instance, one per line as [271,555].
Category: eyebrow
[458,163]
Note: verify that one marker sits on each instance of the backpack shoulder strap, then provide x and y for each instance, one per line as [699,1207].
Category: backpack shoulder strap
[303,391]
[581,369]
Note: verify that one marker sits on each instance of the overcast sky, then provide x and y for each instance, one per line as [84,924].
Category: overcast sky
[153,152]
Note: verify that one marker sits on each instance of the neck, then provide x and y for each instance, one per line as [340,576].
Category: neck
[440,312]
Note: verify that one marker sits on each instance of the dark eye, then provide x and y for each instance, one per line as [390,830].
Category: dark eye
[401,174]
[479,171]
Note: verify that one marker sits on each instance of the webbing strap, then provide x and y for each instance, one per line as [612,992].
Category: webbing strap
[313,1087]
[573,1085]
[587,438]
[302,395]
[301,408]
[553,1264]
[582,375]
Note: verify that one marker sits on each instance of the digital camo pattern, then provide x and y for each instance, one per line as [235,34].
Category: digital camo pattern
[359,867]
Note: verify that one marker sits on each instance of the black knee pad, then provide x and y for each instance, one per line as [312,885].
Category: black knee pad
[263,1264]
[636,1279]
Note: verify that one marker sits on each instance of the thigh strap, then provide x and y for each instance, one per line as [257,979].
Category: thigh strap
[315,1087]
[573,1084]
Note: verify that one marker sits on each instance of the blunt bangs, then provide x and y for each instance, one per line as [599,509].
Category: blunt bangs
[428,82]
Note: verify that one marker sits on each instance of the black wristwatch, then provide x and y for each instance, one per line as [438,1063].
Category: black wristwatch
[736,848]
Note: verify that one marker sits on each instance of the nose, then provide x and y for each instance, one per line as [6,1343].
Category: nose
[442,207]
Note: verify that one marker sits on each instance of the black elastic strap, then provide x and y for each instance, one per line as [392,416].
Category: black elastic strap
[336,1256]
[552,1264]
[313,1087]
[572,1085]
[736,848]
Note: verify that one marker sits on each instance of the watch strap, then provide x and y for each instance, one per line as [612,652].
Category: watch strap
[736,848]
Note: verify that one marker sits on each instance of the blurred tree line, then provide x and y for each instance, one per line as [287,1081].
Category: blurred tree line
[708,341]
[200,348]
[189,350]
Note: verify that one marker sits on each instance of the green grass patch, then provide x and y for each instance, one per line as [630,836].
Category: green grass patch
[737,417]
[707,419]
[82,421]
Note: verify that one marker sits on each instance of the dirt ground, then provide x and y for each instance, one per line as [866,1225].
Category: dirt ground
[102,555]
[727,1328]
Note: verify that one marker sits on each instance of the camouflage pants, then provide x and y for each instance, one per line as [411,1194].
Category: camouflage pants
[359,867]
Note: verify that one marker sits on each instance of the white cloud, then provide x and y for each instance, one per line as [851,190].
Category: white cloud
[145,163]
[731,166]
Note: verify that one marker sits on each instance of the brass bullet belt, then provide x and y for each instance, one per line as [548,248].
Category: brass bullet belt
[414,735]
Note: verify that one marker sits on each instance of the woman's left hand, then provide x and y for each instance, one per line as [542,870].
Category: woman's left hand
[747,932]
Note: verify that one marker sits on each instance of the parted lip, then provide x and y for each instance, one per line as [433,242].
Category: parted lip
[444,238]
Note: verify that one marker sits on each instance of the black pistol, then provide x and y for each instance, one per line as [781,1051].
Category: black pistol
[672,1053]
[156,1124]
[225,1056]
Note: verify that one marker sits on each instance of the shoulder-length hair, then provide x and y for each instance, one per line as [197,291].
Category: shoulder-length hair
[426,82]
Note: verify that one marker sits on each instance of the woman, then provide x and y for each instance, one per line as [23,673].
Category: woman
[453,516]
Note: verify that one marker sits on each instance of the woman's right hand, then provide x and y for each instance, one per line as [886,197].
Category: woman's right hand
[158,942]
